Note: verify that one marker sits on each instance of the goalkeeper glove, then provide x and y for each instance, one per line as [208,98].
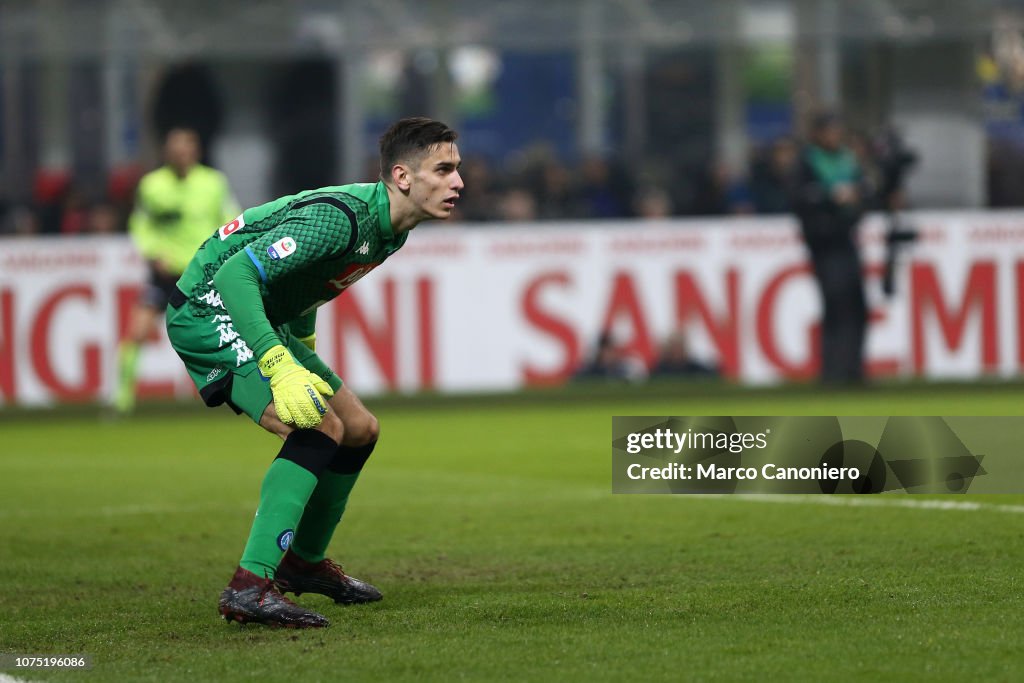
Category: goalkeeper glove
[298,393]
[309,341]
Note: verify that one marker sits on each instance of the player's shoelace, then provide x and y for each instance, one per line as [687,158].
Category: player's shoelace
[270,587]
[335,568]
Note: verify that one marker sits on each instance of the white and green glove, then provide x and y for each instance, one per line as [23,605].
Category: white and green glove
[298,393]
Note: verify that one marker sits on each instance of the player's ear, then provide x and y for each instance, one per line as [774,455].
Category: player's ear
[400,177]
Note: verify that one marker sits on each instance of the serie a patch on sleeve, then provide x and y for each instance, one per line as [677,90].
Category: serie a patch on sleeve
[283,248]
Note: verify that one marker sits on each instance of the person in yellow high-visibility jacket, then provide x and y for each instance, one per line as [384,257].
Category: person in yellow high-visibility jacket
[177,207]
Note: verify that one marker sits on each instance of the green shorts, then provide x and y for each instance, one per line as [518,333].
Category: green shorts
[223,368]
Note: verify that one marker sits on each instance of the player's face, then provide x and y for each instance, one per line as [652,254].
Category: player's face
[436,183]
[831,137]
[182,148]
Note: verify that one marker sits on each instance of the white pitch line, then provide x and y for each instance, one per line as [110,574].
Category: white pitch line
[875,501]
[863,501]
[125,511]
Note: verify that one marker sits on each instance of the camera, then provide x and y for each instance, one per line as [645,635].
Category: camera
[894,160]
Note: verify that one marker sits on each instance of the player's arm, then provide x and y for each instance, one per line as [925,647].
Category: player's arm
[302,238]
[309,234]
[298,393]
[305,236]
[304,329]
[238,283]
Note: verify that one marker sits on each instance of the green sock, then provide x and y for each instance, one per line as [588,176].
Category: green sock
[323,512]
[283,496]
[127,364]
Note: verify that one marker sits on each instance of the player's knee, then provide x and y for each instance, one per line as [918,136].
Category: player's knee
[310,449]
[362,430]
[332,426]
[353,454]
[372,429]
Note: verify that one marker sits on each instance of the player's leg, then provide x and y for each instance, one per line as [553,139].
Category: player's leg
[328,502]
[151,304]
[142,321]
[225,372]
[304,568]
[286,488]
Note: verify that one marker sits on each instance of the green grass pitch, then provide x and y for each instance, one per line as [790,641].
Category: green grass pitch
[490,527]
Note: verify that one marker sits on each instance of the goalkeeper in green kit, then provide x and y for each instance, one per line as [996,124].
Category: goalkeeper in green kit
[242,320]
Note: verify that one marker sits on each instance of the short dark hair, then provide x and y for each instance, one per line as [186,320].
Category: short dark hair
[409,138]
[180,128]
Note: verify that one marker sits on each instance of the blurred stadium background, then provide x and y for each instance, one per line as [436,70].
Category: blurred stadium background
[619,170]
[620,186]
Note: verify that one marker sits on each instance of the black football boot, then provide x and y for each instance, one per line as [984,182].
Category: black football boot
[325,577]
[249,599]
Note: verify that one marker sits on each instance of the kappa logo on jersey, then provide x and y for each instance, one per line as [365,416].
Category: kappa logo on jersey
[281,248]
[232,227]
[365,249]
[350,275]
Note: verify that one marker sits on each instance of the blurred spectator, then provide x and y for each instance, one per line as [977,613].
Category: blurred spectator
[103,219]
[535,184]
[25,221]
[830,200]
[604,190]
[20,221]
[718,192]
[773,176]
[609,362]
[178,206]
[478,202]
[74,214]
[557,195]
[49,190]
[652,202]
[674,360]
[1005,174]
[517,204]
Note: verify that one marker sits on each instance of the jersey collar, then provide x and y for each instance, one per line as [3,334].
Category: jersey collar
[384,212]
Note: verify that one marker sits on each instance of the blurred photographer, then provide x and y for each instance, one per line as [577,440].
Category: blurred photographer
[830,198]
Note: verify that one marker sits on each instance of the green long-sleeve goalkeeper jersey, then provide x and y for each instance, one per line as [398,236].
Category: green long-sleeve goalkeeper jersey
[278,262]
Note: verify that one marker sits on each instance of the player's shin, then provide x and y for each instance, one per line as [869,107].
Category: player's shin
[327,504]
[286,489]
[127,363]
